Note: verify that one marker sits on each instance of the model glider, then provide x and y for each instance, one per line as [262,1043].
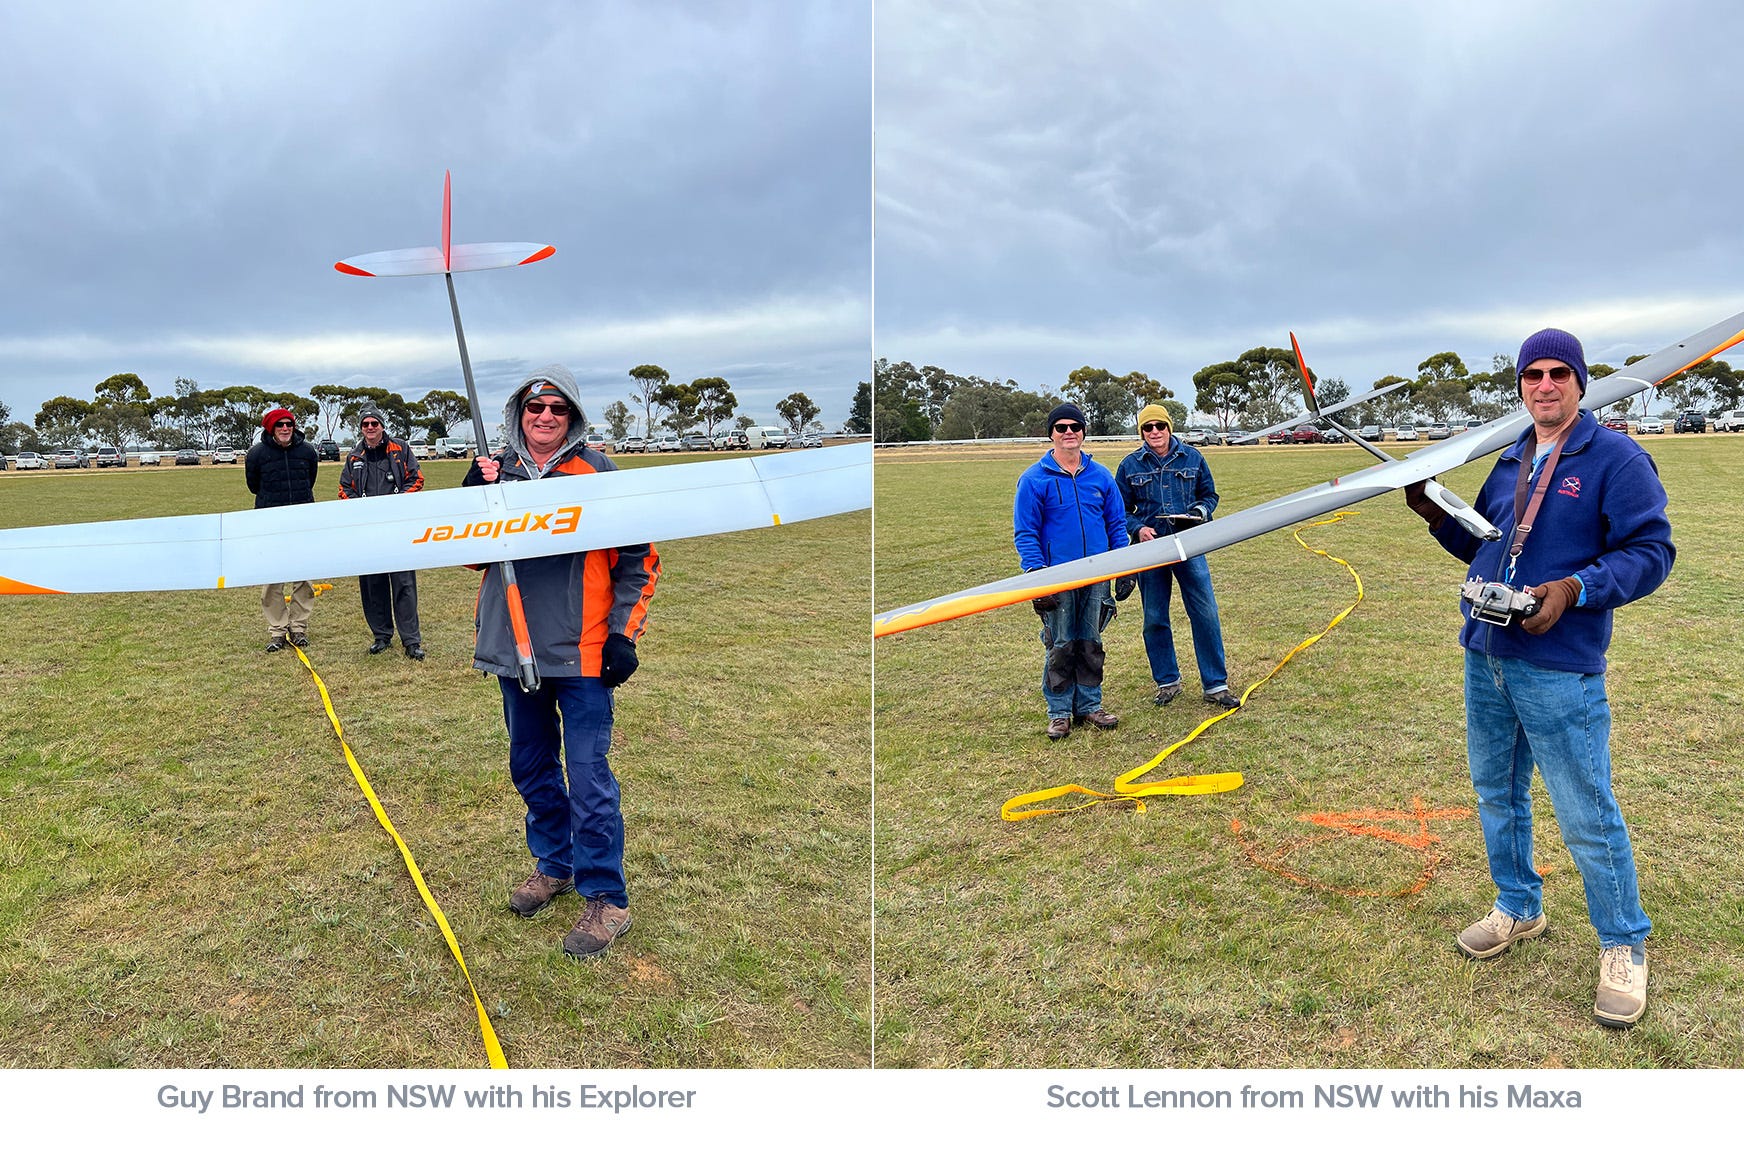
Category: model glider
[445,259]
[436,528]
[1391,474]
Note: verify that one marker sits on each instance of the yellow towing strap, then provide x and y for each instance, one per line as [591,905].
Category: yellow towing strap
[1125,786]
[492,1049]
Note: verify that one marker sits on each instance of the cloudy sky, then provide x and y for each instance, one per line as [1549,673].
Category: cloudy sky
[1160,186]
[180,178]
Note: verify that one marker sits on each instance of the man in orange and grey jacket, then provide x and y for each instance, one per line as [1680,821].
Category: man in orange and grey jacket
[382,465]
[584,612]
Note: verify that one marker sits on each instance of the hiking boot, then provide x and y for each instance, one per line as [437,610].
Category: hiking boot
[1166,694]
[1101,720]
[1059,728]
[1222,697]
[1622,996]
[415,652]
[535,893]
[1495,932]
[600,923]
[382,645]
[277,644]
[300,639]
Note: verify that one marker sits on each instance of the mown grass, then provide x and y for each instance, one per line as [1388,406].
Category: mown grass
[189,875]
[1110,938]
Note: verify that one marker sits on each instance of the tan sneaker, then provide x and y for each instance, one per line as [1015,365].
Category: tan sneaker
[535,893]
[1622,986]
[599,925]
[1495,932]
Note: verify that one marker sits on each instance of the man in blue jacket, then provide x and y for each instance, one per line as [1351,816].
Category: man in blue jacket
[1595,538]
[1167,487]
[1067,507]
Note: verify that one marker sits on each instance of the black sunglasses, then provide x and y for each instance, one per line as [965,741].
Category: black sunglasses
[1154,426]
[1559,375]
[1068,426]
[541,407]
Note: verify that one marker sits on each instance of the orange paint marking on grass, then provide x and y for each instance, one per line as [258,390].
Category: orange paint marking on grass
[1372,822]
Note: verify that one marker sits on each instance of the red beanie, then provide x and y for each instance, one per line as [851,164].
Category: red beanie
[276,415]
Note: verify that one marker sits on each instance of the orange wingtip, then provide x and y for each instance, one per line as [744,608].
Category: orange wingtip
[956,609]
[539,256]
[1729,343]
[352,269]
[13,587]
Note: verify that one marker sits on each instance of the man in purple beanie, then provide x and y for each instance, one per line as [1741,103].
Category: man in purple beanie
[1582,514]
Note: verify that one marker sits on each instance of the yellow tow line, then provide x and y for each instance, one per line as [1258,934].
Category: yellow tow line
[1126,789]
[491,1047]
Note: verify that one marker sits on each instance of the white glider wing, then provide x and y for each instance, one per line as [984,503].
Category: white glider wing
[1298,507]
[437,528]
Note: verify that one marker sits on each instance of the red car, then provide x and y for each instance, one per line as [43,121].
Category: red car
[1307,435]
[1617,423]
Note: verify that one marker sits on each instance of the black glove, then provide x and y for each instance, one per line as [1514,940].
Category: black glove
[1045,604]
[617,660]
[1418,500]
[1124,585]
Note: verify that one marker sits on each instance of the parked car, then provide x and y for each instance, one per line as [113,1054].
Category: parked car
[187,456]
[634,445]
[1281,437]
[27,460]
[1372,432]
[1731,420]
[108,456]
[327,450]
[1195,436]
[69,459]
[224,455]
[668,443]
[1306,434]
[1406,433]
[810,440]
[1439,431]
[735,440]
[766,438]
[1240,439]
[695,442]
[597,442]
[1616,423]
[1651,424]
[1474,422]
[1690,422]
[151,457]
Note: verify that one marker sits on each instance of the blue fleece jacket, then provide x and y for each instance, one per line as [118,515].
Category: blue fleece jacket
[1603,522]
[1058,517]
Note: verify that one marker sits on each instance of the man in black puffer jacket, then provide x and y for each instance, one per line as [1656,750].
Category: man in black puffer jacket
[281,470]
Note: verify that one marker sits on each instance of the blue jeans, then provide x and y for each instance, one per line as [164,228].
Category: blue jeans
[1154,588]
[1072,661]
[1517,714]
[575,830]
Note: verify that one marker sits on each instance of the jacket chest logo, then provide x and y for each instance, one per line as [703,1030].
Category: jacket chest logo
[1570,487]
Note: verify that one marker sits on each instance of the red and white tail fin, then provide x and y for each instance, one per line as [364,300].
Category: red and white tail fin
[446,257]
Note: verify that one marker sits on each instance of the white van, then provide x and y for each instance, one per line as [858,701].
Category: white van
[766,438]
[1731,420]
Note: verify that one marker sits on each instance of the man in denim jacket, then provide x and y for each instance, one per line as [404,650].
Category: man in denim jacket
[1167,487]
[1535,686]
[1067,507]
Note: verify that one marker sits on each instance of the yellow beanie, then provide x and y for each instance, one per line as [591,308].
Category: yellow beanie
[1152,412]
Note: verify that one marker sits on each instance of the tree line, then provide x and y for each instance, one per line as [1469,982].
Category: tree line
[1257,389]
[123,412]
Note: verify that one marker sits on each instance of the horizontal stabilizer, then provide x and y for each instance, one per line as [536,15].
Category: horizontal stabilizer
[428,259]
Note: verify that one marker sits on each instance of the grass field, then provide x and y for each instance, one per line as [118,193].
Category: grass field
[190,877]
[1110,938]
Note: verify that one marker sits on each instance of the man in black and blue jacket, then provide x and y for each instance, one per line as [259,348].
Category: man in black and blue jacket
[1067,507]
[1598,538]
[1167,487]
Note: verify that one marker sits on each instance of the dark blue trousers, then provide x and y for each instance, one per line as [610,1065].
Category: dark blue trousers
[574,828]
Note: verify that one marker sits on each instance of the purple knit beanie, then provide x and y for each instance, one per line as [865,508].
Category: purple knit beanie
[1551,343]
